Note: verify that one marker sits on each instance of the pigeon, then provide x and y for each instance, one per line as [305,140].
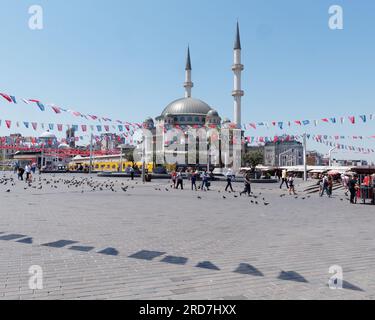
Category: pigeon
[266,203]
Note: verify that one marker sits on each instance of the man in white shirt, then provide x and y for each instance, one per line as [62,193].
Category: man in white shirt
[284,179]
[28,172]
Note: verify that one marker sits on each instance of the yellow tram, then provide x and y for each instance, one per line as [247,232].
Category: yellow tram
[108,163]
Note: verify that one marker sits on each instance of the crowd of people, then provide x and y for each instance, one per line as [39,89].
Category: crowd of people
[29,170]
[288,180]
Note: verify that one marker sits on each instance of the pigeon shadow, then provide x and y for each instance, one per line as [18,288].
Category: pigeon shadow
[291,276]
[245,268]
[146,255]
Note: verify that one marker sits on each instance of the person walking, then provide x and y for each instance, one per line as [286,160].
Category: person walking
[33,167]
[229,176]
[28,173]
[291,185]
[345,182]
[325,187]
[193,179]
[180,180]
[353,186]
[173,179]
[204,177]
[247,182]
[330,185]
[21,171]
[131,170]
[284,179]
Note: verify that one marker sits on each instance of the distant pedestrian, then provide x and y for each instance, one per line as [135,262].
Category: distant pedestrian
[291,185]
[353,187]
[28,172]
[180,180]
[193,179]
[204,177]
[247,183]
[21,171]
[345,181]
[325,187]
[33,167]
[131,171]
[330,185]
[229,176]
[284,179]
[173,178]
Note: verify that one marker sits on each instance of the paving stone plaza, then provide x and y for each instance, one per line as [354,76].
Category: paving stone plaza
[100,238]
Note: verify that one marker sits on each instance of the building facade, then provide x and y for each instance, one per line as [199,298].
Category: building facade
[283,153]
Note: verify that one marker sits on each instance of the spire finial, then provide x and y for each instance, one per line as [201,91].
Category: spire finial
[237,43]
[188,61]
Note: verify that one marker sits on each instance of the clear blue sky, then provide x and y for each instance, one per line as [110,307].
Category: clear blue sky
[125,59]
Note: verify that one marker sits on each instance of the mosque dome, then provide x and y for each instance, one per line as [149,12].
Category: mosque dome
[212,113]
[187,106]
[63,146]
[47,135]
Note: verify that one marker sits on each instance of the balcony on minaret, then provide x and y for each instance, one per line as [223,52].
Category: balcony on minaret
[188,85]
[238,67]
[238,93]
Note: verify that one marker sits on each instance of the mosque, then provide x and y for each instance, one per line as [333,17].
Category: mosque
[189,111]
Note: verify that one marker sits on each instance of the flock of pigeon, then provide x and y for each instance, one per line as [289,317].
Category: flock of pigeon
[73,183]
[89,184]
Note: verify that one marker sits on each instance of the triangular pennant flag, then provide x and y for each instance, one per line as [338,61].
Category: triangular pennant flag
[6,97]
[306,122]
[41,106]
[34,125]
[8,123]
[26,124]
[56,109]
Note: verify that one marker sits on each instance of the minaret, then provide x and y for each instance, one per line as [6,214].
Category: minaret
[188,84]
[237,69]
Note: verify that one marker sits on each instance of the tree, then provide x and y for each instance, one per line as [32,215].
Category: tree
[129,156]
[252,159]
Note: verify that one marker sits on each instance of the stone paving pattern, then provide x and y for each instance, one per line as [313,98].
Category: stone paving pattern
[147,243]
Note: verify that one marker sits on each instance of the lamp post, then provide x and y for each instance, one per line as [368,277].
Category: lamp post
[304,157]
[121,158]
[91,141]
[144,159]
